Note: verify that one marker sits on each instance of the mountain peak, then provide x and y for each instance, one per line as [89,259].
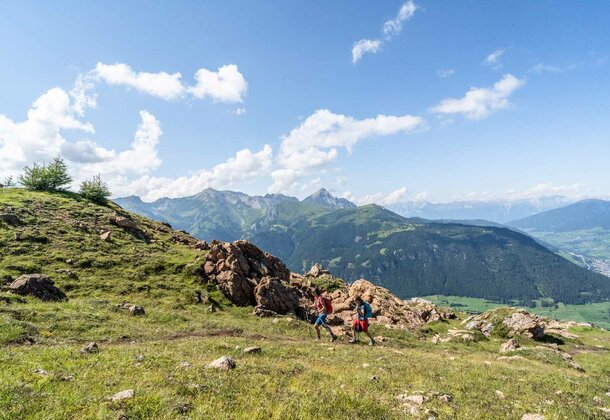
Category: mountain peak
[325,199]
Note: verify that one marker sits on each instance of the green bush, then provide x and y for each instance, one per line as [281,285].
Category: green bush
[51,177]
[95,190]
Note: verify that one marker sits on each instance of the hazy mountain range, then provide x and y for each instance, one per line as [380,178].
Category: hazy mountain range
[500,211]
[410,256]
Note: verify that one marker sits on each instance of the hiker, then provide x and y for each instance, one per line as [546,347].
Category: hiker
[361,320]
[324,307]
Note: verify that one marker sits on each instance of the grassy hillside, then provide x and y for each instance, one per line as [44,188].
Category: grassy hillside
[162,356]
[61,238]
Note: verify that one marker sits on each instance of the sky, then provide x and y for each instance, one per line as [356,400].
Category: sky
[376,101]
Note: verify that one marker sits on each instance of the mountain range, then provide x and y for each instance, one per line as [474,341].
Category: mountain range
[409,256]
[581,229]
[499,211]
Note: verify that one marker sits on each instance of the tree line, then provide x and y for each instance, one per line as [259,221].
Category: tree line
[54,176]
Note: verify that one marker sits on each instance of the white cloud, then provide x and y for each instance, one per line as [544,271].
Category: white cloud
[225,85]
[445,73]
[240,111]
[364,46]
[394,26]
[39,137]
[244,166]
[493,59]
[315,143]
[391,28]
[479,103]
[383,199]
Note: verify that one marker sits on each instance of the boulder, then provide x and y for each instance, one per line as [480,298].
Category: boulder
[515,321]
[223,363]
[130,226]
[90,348]
[123,395]
[136,310]
[316,271]
[10,219]
[250,277]
[105,236]
[37,285]
[202,246]
[510,345]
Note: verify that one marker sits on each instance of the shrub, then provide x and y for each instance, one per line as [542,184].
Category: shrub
[7,183]
[95,190]
[51,177]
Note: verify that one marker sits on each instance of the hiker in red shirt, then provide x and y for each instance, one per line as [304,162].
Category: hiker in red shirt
[324,307]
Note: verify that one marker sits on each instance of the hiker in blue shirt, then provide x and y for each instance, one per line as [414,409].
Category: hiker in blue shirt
[361,320]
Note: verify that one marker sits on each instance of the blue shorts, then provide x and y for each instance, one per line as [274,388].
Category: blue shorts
[321,320]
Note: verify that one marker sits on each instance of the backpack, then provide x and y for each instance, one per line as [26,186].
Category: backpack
[328,304]
[368,311]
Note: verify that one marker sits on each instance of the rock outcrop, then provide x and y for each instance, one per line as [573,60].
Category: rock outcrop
[10,219]
[250,277]
[514,321]
[316,271]
[37,285]
[388,309]
[130,226]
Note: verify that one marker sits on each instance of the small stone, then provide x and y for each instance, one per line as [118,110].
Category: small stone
[90,348]
[342,386]
[223,363]
[331,349]
[185,365]
[500,394]
[605,410]
[365,365]
[436,339]
[136,310]
[41,372]
[530,416]
[184,408]
[123,395]
[597,400]
[559,392]
[105,236]
[67,378]
[445,398]
[416,399]
[252,350]
[373,378]
[487,362]
[139,358]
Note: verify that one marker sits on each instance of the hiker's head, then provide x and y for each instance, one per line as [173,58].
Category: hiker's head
[316,291]
[358,300]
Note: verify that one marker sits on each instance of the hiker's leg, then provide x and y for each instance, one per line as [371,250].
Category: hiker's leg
[317,327]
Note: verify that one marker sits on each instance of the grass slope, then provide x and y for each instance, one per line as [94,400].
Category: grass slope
[162,355]
[61,238]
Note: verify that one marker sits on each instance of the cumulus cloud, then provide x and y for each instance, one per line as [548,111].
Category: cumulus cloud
[39,136]
[493,59]
[383,199]
[315,143]
[394,26]
[226,84]
[479,103]
[391,28]
[244,166]
[364,46]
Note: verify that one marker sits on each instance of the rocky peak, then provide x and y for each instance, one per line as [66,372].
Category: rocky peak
[325,199]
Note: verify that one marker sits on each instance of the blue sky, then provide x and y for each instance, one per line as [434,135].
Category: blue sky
[467,99]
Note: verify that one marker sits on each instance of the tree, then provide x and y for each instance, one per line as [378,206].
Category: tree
[7,183]
[51,177]
[95,190]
